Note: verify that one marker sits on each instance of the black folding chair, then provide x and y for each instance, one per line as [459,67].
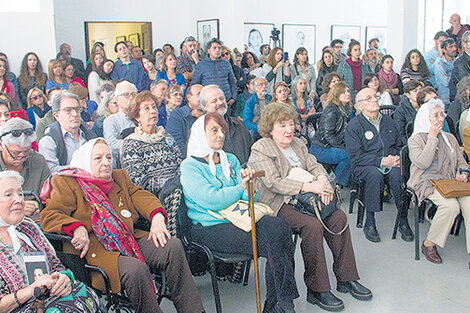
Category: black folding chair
[213,257]
[388,109]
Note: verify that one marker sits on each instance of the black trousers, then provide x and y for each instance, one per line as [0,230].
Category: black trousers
[274,242]
[374,185]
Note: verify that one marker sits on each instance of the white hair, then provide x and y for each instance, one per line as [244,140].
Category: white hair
[16,123]
[120,87]
[202,96]
[13,174]
[103,106]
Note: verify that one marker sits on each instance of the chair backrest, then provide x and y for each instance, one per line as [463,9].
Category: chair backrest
[183,226]
[405,165]
[387,109]
[409,129]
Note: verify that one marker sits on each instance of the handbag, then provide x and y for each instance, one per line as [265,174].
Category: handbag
[239,214]
[451,188]
[310,203]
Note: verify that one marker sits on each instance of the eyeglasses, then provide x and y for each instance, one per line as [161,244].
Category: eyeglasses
[338,47]
[18,132]
[225,54]
[69,110]
[370,98]
[36,97]
[18,155]
[127,94]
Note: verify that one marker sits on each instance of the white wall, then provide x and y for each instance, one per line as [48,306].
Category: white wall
[28,25]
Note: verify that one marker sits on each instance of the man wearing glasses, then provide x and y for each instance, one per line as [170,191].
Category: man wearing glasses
[214,70]
[373,145]
[66,135]
[337,47]
[461,65]
[16,137]
[114,124]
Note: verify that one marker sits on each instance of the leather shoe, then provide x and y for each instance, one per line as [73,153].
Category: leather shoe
[371,233]
[406,232]
[356,290]
[431,254]
[325,300]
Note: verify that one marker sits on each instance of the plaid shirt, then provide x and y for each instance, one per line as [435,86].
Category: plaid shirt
[185,64]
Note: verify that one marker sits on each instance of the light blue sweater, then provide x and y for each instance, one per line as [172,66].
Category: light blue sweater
[204,192]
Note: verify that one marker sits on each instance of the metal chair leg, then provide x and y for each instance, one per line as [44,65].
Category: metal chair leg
[215,285]
[247,273]
[395,228]
[360,206]
[416,231]
[352,200]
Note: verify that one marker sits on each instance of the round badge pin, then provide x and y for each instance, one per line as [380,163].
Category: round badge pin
[369,135]
[126,213]
[169,141]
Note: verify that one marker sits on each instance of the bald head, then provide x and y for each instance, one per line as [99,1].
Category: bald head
[367,102]
[364,93]
[455,20]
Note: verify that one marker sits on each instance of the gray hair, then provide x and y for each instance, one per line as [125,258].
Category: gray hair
[202,96]
[108,87]
[465,36]
[188,39]
[294,86]
[16,123]
[255,81]
[120,86]
[13,174]
[58,99]
[103,106]
[157,82]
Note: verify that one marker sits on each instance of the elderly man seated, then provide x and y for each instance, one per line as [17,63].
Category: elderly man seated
[114,124]
[254,105]
[373,146]
[66,135]
[237,140]
[16,136]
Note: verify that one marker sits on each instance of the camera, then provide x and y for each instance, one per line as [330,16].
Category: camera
[275,34]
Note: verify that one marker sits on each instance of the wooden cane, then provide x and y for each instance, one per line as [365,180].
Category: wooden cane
[253,236]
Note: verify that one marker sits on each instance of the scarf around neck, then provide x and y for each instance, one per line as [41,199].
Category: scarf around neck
[140,135]
[356,68]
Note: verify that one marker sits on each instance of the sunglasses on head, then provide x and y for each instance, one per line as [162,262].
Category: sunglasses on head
[18,132]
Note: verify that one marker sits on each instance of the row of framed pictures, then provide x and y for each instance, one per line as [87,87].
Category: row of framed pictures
[293,35]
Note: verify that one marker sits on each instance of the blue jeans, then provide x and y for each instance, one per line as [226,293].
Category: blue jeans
[334,156]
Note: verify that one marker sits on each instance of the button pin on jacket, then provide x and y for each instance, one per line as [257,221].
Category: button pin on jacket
[369,135]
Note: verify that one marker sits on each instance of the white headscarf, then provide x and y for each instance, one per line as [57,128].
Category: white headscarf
[422,123]
[14,234]
[198,147]
[81,158]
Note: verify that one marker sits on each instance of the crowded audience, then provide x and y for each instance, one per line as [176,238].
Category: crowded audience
[115,133]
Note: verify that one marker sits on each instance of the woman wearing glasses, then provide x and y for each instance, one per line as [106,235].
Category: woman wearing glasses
[37,105]
[173,100]
[16,137]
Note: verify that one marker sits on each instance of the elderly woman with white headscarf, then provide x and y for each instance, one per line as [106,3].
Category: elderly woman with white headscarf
[21,242]
[211,180]
[98,207]
[436,154]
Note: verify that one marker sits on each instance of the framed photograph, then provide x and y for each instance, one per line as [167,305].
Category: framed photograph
[379,32]
[256,35]
[206,30]
[346,33]
[295,36]
[135,39]
[36,265]
[121,38]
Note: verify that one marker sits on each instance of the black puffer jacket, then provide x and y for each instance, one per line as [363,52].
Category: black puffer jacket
[404,114]
[330,132]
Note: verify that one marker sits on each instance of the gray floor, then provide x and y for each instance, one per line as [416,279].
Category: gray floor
[399,283]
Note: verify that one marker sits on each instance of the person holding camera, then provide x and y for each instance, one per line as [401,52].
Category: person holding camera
[277,68]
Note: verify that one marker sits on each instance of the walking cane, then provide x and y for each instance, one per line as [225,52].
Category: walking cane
[253,237]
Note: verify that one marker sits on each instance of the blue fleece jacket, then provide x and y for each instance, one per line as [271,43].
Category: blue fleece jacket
[250,110]
[216,72]
[204,192]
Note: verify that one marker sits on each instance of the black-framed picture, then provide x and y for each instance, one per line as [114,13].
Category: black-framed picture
[36,265]
[135,39]
[121,38]
[295,36]
[256,35]
[206,30]
[346,33]
[379,32]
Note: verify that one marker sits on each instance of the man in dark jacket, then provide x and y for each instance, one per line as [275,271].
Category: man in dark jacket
[238,139]
[373,146]
[461,65]
[66,51]
[406,111]
[213,70]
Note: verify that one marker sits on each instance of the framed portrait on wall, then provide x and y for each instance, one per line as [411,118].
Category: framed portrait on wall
[135,39]
[346,33]
[379,32]
[256,35]
[295,36]
[206,30]
[121,38]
